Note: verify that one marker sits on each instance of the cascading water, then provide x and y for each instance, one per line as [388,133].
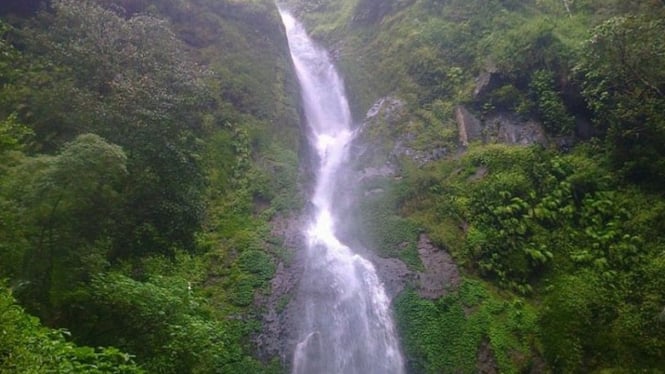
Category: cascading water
[346,325]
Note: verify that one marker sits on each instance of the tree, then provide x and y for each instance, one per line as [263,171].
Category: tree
[132,82]
[27,347]
[65,204]
[624,84]
[163,323]
[12,134]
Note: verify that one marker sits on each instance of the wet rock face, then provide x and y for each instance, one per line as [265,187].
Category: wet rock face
[509,129]
[441,275]
[372,158]
[485,360]
[500,127]
[420,157]
[382,137]
[387,109]
[468,126]
[393,273]
[487,81]
[281,309]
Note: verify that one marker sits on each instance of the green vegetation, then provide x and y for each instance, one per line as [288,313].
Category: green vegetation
[144,147]
[444,335]
[378,226]
[569,237]
[27,347]
[550,107]
[625,90]
[560,230]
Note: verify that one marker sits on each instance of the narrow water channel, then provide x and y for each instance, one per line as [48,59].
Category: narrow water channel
[346,325]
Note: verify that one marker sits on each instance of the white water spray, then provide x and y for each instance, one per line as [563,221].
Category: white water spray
[346,326]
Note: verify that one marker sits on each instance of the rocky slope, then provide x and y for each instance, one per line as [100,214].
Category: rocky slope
[476,120]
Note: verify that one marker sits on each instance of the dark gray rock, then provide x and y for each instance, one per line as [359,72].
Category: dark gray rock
[585,130]
[383,171]
[441,274]
[485,360]
[440,277]
[280,317]
[393,273]
[373,160]
[498,127]
[387,109]
[419,157]
[382,145]
[508,128]
[487,81]
[468,126]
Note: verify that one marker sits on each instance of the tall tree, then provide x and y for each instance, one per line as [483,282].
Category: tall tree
[624,84]
[132,82]
[65,204]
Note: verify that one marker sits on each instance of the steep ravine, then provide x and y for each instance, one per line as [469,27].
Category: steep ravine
[491,137]
[390,137]
[345,324]
[437,276]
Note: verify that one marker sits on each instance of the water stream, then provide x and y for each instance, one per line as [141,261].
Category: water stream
[346,325]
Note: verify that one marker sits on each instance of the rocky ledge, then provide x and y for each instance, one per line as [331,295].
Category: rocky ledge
[441,274]
[499,127]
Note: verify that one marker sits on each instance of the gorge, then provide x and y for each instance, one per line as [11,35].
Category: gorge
[346,326]
[396,186]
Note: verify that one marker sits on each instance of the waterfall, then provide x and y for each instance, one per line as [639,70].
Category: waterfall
[346,324]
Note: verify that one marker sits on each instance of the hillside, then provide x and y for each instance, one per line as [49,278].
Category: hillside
[145,147]
[525,139]
[510,163]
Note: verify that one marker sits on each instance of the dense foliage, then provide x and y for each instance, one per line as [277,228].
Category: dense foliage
[567,236]
[27,347]
[557,229]
[144,146]
[444,335]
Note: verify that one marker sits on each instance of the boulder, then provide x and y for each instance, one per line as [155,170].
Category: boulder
[468,126]
[386,109]
[508,128]
[441,274]
[487,81]
[280,317]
